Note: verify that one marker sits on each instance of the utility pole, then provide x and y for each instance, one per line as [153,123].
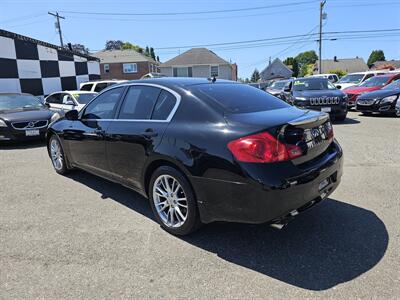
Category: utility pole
[321,17]
[58,26]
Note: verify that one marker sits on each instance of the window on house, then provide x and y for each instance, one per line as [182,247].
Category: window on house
[106,68]
[183,72]
[214,71]
[129,68]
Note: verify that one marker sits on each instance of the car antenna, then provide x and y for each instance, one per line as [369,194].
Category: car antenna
[213,79]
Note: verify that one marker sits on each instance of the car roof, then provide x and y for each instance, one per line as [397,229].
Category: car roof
[103,80]
[179,81]
[389,75]
[78,92]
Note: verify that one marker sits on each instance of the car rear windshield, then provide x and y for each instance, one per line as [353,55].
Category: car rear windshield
[238,98]
[12,102]
[375,81]
[84,98]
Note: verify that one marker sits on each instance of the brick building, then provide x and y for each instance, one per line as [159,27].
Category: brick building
[125,64]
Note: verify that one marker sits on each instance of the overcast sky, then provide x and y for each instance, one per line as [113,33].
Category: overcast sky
[159,31]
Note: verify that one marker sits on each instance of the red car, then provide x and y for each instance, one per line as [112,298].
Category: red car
[372,84]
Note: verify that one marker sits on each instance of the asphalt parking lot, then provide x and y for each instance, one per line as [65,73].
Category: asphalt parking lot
[83,237]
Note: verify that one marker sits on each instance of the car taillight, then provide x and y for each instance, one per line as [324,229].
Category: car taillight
[262,148]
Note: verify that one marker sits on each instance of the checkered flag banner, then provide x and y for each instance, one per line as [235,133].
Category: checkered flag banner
[39,68]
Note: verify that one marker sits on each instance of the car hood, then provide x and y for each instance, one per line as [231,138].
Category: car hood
[361,89]
[319,93]
[25,115]
[382,93]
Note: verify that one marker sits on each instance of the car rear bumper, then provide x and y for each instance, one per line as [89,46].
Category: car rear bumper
[269,192]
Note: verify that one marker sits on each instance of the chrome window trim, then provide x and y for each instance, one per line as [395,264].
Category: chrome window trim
[169,118]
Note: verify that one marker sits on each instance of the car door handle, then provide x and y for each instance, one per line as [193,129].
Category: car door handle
[149,133]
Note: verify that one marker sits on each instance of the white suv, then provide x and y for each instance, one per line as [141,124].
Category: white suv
[97,86]
[357,78]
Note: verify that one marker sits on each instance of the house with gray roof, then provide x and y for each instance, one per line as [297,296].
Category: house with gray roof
[125,64]
[276,70]
[348,65]
[386,64]
[199,62]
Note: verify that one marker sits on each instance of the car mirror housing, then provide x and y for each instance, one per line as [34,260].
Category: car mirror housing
[339,87]
[72,115]
[286,89]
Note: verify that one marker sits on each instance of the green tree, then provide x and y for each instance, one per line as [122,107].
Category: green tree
[147,51]
[152,55]
[158,59]
[339,73]
[291,62]
[307,57]
[306,69]
[114,45]
[255,77]
[375,55]
[127,45]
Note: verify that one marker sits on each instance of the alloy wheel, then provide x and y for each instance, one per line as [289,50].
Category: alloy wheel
[56,154]
[170,201]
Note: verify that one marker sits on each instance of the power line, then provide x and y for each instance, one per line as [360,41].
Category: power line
[189,12]
[276,39]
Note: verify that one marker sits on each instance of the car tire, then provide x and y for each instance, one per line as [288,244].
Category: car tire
[57,155]
[175,215]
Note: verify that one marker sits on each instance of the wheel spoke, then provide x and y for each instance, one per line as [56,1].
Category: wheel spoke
[178,211]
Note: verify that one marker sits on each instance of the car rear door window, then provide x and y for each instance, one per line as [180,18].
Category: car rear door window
[103,107]
[238,98]
[139,102]
[87,87]
[165,103]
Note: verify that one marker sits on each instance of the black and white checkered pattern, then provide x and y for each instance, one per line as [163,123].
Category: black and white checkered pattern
[38,68]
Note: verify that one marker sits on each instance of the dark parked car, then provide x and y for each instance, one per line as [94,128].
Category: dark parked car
[202,151]
[383,101]
[23,117]
[317,94]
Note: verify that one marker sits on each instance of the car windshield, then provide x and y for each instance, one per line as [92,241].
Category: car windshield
[351,78]
[84,98]
[238,98]
[375,81]
[312,84]
[278,85]
[14,101]
[395,85]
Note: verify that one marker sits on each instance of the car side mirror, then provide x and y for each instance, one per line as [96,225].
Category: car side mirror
[339,87]
[72,115]
[47,104]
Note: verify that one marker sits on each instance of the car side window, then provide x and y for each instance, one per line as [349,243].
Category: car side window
[87,87]
[165,103]
[368,76]
[54,99]
[139,102]
[103,107]
[100,86]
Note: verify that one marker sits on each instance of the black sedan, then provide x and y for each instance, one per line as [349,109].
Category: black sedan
[23,117]
[383,101]
[202,151]
[317,94]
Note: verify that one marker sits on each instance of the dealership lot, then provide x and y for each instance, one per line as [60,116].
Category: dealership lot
[83,237]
